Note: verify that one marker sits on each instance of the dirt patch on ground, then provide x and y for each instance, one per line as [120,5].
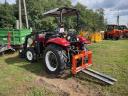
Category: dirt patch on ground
[65,87]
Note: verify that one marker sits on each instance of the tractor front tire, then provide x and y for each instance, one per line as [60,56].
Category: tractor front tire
[53,59]
[30,55]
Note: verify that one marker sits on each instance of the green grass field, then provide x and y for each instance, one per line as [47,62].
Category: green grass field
[17,76]
[111,57]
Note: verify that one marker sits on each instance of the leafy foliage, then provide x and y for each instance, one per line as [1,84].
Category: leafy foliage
[7,18]
[89,20]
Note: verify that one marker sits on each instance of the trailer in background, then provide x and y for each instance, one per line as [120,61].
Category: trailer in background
[10,38]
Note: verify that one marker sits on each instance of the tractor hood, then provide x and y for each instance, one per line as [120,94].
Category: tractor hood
[58,41]
[83,40]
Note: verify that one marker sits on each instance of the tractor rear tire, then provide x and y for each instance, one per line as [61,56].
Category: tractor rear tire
[53,59]
[30,55]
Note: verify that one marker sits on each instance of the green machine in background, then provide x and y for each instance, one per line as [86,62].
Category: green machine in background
[9,38]
[17,36]
[12,38]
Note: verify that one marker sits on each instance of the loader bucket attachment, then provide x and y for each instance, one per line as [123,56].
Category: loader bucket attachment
[81,61]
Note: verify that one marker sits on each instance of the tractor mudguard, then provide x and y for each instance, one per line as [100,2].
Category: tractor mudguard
[83,40]
[58,41]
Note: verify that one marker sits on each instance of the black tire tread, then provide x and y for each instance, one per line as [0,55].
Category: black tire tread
[58,52]
[34,54]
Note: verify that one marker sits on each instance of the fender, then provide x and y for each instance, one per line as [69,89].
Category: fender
[83,40]
[58,41]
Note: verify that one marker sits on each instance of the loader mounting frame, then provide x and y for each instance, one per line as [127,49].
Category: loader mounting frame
[83,54]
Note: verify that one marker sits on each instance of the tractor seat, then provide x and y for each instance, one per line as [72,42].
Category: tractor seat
[48,35]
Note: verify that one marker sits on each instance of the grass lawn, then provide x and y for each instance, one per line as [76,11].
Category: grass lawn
[17,76]
[111,57]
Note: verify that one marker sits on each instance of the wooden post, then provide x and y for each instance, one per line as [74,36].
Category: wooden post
[25,12]
[20,19]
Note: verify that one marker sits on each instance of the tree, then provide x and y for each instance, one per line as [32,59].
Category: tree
[36,9]
[7,18]
[89,20]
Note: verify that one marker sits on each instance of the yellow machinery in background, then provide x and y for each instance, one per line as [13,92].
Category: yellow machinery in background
[94,37]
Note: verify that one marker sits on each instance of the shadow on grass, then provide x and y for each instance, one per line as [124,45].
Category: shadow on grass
[90,79]
[14,60]
[7,52]
[37,67]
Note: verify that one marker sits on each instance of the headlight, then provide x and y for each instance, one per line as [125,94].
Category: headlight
[68,38]
[77,39]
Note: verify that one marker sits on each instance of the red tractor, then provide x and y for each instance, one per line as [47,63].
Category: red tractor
[125,30]
[60,49]
[112,32]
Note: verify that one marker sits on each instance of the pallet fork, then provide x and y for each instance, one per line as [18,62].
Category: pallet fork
[83,67]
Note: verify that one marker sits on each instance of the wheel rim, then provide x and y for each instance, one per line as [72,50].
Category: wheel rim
[29,55]
[51,61]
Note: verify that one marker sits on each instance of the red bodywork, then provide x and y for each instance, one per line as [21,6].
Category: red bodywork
[83,40]
[124,29]
[125,32]
[113,32]
[58,41]
[61,41]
